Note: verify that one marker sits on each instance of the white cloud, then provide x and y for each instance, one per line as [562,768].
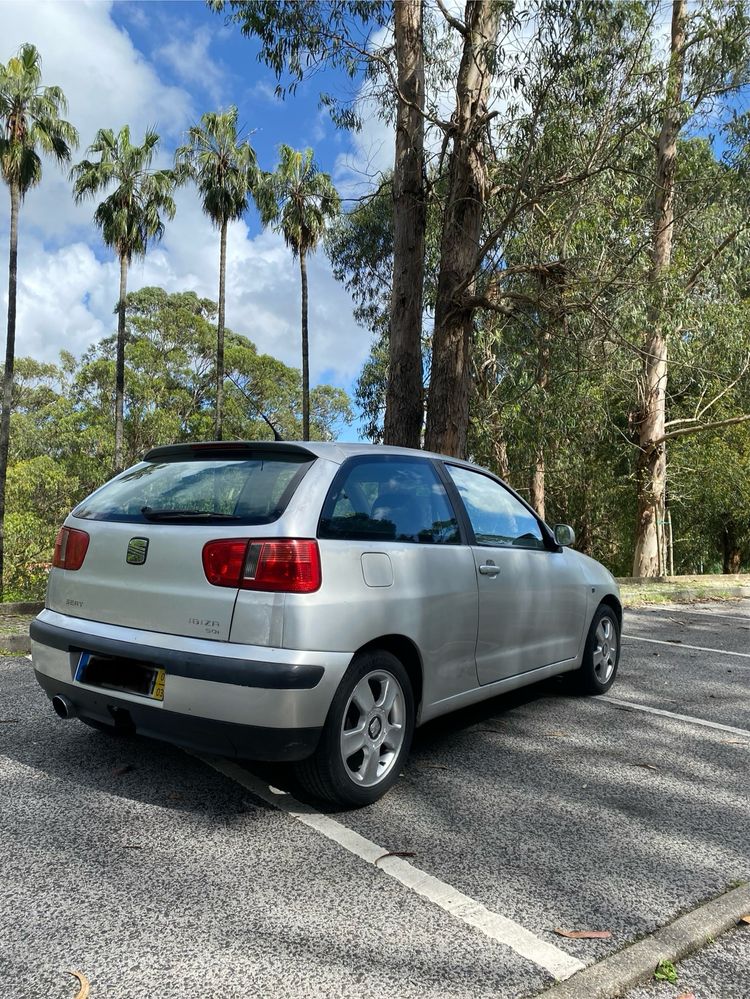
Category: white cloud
[68,282]
[107,83]
[188,57]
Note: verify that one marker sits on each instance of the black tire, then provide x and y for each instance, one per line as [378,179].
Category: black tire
[325,774]
[588,679]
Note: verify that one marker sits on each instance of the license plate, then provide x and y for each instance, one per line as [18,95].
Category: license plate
[127,675]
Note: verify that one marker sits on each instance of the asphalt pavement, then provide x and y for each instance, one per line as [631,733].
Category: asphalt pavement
[153,874]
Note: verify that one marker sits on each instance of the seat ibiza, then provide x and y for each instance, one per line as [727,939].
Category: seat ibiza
[312,603]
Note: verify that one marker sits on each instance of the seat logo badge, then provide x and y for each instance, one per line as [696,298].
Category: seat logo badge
[137,551]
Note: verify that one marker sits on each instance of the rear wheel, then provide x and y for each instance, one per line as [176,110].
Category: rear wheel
[367,734]
[601,655]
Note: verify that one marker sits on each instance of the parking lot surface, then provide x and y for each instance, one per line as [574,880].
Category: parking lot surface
[151,873]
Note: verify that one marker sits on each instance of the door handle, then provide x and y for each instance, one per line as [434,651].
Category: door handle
[489,569]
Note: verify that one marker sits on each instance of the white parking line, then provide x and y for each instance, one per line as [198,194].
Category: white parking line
[684,645]
[671,714]
[468,910]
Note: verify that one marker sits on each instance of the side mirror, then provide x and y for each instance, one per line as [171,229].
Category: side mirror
[564,535]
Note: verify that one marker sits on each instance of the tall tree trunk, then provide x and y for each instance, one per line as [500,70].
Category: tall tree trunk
[542,380]
[10,353]
[650,548]
[500,454]
[120,364]
[404,402]
[536,492]
[732,562]
[305,352]
[220,335]
[450,382]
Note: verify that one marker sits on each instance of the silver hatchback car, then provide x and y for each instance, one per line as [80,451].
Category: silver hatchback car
[312,603]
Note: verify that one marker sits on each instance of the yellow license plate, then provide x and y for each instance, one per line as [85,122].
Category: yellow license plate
[157,691]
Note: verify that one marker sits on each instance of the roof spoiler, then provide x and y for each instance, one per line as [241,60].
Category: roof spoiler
[231,450]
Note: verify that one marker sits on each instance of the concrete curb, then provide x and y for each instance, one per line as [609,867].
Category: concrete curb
[15,643]
[24,607]
[615,975]
[682,594]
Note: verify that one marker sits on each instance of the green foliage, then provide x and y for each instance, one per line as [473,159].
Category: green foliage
[299,37]
[222,165]
[30,121]
[130,216]
[40,494]
[665,972]
[297,199]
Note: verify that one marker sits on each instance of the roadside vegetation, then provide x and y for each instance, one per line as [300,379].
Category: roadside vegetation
[554,275]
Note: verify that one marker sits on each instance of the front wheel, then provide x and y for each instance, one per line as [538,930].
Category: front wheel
[367,734]
[601,655]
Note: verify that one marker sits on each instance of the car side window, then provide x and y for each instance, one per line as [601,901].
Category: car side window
[496,516]
[389,499]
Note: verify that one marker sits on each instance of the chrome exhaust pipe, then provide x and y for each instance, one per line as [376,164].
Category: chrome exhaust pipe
[63,707]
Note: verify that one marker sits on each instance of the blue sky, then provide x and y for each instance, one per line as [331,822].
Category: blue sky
[162,64]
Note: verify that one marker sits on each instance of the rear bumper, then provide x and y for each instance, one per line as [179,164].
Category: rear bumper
[219,697]
[201,735]
[212,667]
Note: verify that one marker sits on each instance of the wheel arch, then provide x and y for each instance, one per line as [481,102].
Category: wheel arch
[610,600]
[407,653]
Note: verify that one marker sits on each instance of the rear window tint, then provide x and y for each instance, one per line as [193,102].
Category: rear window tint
[389,498]
[249,491]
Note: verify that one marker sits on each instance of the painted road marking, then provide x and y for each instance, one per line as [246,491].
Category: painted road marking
[684,645]
[672,714]
[460,906]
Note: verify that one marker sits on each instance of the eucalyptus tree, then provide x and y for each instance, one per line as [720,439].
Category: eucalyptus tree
[31,123]
[224,169]
[404,403]
[299,201]
[130,217]
[708,65]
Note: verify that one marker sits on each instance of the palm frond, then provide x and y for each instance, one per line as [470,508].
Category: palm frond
[31,120]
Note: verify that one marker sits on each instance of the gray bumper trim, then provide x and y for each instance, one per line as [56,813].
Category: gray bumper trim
[202,735]
[194,666]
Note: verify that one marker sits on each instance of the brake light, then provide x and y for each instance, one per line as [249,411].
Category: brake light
[289,565]
[71,546]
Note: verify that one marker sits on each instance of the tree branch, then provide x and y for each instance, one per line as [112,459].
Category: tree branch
[453,21]
[701,428]
[729,238]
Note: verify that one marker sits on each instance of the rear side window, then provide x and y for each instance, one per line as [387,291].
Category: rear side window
[389,499]
[496,516]
[254,490]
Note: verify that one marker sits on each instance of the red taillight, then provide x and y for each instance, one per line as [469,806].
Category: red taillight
[70,548]
[281,566]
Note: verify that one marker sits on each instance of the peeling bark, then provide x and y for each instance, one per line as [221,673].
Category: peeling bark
[450,383]
[650,549]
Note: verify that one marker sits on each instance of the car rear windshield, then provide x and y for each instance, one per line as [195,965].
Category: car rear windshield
[253,490]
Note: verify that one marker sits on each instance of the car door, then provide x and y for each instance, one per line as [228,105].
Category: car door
[532,599]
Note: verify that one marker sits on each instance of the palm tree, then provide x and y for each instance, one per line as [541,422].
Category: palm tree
[129,218]
[30,123]
[297,200]
[224,170]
